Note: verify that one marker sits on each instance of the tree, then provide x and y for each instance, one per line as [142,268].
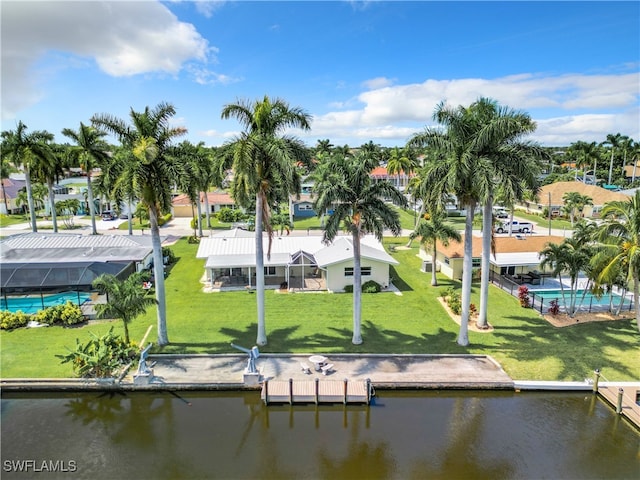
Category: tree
[615,141]
[152,173]
[263,160]
[457,168]
[359,206]
[575,202]
[432,231]
[90,151]
[126,299]
[24,149]
[48,169]
[572,256]
[514,168]
[402,162]
[6,169]
[323,147]
[619,241]
[67,209]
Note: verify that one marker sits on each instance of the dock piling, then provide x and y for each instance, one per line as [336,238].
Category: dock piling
[620,396]
[596,380]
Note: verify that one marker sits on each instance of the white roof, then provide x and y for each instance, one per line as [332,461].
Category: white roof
[516,258]
[65,247]
[237,252]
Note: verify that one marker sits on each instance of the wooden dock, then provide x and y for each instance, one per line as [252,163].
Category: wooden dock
[624,399]
[316,391]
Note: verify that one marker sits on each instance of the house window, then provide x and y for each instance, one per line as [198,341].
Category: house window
[270,271]
[476,262]
[364,271]
[446,260]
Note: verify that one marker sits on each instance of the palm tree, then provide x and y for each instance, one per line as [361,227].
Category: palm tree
[6,169]
[152,173]
[575,202]
[323,147]
[584,153]
[431,232]
[47,170]
[619,238]
[402,162]
[24,149]
[572,256]
[90,151]
[457,168]
[126,299]
[263,159]
[615,142]
[359,207]
[515,169]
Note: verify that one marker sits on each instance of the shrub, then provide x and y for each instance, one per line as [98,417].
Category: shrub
[455,303]
[523,296]
[100,357]
[10,320]
[67,314]
[168,255]
[193,239]
[473,310]
[371,286]
[554,308]
[229,215]
[162,219]
[348,288]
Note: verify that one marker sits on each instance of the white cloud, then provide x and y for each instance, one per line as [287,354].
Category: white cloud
[379,82]
[124,38]
[567,107]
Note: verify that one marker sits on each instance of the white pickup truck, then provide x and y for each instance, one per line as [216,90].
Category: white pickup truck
[516,227]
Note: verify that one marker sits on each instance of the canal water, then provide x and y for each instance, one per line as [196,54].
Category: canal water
[232,435]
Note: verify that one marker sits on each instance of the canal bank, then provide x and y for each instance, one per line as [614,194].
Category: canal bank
[226,372]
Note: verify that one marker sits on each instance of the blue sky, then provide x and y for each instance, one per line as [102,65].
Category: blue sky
[366,71]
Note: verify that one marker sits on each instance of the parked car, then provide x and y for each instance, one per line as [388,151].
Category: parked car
[109,215]
[516,227]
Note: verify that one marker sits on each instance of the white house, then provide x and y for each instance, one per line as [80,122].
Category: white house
[296,262]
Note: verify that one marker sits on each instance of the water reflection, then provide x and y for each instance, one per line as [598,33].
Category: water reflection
[402,435]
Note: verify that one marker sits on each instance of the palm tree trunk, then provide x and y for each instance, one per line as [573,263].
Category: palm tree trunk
[52,205]
[487,231]
[262,332]
[92,207]
[434,254]
[422,209]
[199,210]
[130,217]
[126,332]
[636,295]
[158,274]
[357,290]
[207,210]
[4,196]
[467,265]
[30,202]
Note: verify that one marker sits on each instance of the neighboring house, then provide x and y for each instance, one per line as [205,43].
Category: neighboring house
[516,255]
[297,262]
[46,262]
[181,205]
[550,196]
[398,180]
[632,172]
[303,206]
[11,188]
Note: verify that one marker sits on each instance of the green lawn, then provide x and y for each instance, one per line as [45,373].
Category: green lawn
[8,220]
[524,344]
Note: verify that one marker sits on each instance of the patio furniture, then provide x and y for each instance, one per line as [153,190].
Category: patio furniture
[318,361]
[326,369]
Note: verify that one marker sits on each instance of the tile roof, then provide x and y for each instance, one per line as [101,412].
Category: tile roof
[215,198]
[598,195]
[504,245]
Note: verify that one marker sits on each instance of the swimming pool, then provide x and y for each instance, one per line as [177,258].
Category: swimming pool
[33,304]
[590,299]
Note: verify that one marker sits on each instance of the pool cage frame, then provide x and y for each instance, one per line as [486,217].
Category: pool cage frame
[41,279]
